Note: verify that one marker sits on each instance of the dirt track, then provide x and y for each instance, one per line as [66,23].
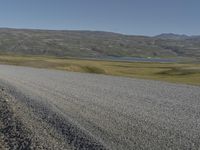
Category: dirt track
[61,110]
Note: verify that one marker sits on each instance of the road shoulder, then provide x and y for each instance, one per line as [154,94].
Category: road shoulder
[20,129]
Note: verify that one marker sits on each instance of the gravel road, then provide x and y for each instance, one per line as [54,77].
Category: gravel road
[65,110]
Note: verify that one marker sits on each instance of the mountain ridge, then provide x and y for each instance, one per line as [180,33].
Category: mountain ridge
[84,43]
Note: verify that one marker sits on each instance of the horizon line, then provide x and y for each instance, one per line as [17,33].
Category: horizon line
[94,30]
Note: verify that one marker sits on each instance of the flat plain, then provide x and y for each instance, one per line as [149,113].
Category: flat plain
[187,72]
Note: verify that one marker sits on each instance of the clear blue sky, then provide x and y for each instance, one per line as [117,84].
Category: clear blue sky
[140,17]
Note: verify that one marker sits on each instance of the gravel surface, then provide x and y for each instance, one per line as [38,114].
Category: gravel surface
[64,110]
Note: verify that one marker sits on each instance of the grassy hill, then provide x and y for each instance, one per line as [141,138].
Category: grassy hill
[94,44]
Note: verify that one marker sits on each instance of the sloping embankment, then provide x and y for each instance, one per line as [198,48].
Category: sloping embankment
[13,134]
[28,125]
[22,130]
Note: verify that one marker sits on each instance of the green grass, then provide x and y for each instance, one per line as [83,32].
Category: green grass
[188,73]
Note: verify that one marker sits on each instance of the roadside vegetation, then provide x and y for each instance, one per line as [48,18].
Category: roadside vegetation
[188,73]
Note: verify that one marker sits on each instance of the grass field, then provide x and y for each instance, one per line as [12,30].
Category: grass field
[188,73]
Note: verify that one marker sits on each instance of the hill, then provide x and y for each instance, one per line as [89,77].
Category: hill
[94,44]
[172,36]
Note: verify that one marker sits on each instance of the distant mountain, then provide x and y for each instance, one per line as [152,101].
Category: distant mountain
[172,36]
[195,37]
[95,44]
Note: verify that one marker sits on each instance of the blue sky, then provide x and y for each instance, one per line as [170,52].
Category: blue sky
[138,17]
